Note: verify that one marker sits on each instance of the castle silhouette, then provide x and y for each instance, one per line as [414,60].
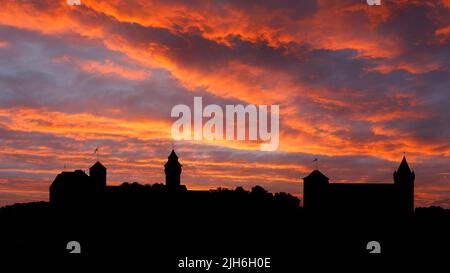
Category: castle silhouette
[168,221]
[368,198]
[75,189]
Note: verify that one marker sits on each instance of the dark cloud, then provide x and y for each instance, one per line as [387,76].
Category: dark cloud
[315,60]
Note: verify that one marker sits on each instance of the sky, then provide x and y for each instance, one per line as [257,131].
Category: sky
[358,87]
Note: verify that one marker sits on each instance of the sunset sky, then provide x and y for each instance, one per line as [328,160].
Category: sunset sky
[358,86]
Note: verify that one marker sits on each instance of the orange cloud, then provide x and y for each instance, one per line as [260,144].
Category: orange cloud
[106,67]
[4,44]
[210,48]
[236,75]
[81,126]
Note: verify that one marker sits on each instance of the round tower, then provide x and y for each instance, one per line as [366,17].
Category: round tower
[172,169]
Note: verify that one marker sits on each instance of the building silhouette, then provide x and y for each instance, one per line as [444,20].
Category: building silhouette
[98,174]
[71,189]
[142,220]
[172,169]
[362,199]
[77,189]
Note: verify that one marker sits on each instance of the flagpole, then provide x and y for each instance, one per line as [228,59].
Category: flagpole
[96,152]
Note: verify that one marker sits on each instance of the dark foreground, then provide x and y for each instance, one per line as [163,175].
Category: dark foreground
[255,239]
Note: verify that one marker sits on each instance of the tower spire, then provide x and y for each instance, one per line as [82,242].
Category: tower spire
[404,181]
[404,166]
[172,169]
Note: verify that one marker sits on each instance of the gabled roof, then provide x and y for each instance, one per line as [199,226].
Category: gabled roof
[77,176]
[98,165]
[316,175]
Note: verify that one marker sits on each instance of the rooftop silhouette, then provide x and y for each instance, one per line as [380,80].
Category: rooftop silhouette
[168,221]
[77,189]
[363,199]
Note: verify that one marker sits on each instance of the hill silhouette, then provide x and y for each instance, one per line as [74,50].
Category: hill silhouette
[165,223]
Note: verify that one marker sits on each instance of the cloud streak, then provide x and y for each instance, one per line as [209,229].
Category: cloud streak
[357,87]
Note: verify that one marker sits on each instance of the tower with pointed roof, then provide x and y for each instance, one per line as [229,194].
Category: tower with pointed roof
[315,187]
[97,172]
[172,169]
[367,200]
[404,182]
